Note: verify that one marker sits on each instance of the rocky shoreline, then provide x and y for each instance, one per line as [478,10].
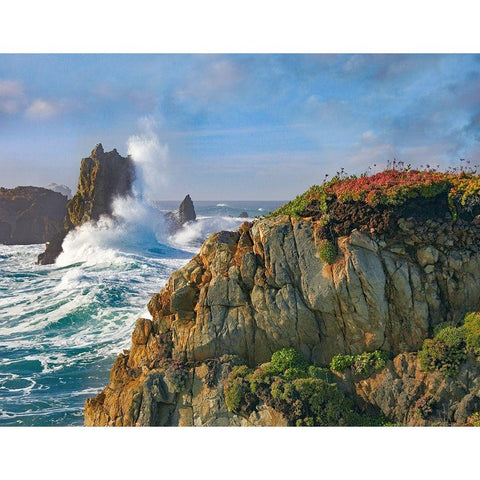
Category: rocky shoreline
[250,293]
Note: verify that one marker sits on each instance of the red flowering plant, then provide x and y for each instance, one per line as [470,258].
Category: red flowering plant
[393,187]
[389,187]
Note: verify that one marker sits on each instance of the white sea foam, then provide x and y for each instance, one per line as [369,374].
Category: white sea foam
[62,325]
[192,234]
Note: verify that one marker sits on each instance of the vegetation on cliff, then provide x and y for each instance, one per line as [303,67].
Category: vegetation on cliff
[451,345]
[388,188]
[305,394]
[361,364]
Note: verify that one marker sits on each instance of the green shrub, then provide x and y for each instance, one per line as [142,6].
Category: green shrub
[262,376]
[445,352]
[327,251]
[361,364]
[472,333]
[236,388]
[319,372]
[366,362]
[441,326]
[287,358]
[474,420]
[303,393]
[340,363]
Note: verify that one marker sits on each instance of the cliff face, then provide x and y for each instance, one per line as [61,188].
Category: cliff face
[252,292]
[30,215]
[103,176]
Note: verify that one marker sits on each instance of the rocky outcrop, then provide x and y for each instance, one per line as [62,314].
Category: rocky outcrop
[142,396]
[265,287]
[407,395]
[30,215]
[103,176]
[186,213]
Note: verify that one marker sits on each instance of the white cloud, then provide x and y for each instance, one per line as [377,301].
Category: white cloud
[368,136]
[40,109]
[12,96]
[215,81]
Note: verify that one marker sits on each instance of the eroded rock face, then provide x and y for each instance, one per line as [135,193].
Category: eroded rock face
[30,215]
[103,176]
[143,396]
[252,292]
[407,395]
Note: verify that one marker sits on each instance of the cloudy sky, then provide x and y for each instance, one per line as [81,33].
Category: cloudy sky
[237,126]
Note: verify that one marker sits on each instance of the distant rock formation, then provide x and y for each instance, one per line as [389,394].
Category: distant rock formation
[186,213]
[243,215]
[63,189]
[30,215]
[103,176]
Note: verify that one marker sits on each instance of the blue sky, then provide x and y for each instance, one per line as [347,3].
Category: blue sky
[237,126]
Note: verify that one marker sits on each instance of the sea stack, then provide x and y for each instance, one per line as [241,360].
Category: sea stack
[103,176]
[186,212]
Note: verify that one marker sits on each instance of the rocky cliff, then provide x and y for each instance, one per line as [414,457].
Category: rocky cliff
[103,176]
[270,286]
[30,215]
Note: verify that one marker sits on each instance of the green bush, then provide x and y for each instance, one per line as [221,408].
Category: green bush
[445,352]
[236,388]
[340,363]
[472,333]
[474,420]
[287,358]
[327,251]
[366,362]
[361,364]
[303,393]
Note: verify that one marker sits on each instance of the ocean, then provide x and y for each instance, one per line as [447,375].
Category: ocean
[62,325]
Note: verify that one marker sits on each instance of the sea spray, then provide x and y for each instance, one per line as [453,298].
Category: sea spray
[151,159]
[135,225]
[192,234]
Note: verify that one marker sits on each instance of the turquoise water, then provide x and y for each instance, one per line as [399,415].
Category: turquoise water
[62,325]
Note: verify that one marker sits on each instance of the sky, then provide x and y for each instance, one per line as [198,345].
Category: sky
[237,127]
